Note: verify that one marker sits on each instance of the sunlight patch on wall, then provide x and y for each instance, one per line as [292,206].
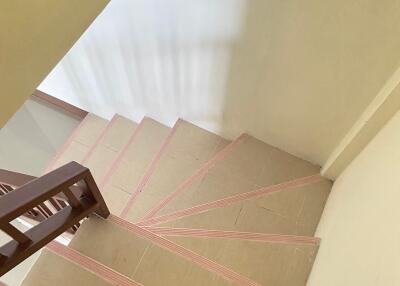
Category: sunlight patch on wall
[165,59]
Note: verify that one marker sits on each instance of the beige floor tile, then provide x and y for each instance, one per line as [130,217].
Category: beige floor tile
[106,152]
[100,162]
[51,269]
[265,263]
[75,152]
[91,130]
[115,199]
[296,211]
[189,148]
[118,135]
[83,140]
[161,267]
[110,245]
[250,165]
[139,155]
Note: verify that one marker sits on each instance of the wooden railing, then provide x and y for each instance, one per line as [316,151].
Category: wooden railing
[10,180]
[82,197]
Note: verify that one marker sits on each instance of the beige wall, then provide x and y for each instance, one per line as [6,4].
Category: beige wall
[34,36]
[360,227]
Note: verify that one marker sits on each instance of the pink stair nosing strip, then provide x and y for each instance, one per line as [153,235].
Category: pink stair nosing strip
[232,199]
[149,171]
[200,173]
[91,265]
[202,261]
[98,140]
[121,154]
[66,144]
[265,237]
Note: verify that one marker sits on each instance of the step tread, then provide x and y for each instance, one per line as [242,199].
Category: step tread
[51,269]
[293,211]
[132,163]
[267,263]
[80,141]
[252,164]
[137,257]
[189,148]
[116,135]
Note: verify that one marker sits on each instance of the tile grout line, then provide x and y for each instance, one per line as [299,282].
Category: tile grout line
[98,140]
[91,265]
[121,154]
[299,182]
[200,173]
[149,171]
[264,237]
[65,146]
[185,253]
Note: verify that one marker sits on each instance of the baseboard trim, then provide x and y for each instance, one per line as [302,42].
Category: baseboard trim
[60,103]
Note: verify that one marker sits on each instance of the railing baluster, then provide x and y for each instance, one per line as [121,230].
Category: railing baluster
[72,199]
[15,233]
[55,204]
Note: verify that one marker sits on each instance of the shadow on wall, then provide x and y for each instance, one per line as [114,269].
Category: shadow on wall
[296,74]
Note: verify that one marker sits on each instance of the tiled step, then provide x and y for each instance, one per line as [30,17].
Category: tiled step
[147,258]
[250,165]
[290,209]
[51,269]
[132,164]
[280,264]
[108,145]
[80,141]
[188,149]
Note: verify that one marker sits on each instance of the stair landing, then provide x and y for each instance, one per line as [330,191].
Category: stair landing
[189,208]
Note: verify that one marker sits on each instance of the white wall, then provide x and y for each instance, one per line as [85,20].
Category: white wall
[360,227]
[31,138]
[296,74]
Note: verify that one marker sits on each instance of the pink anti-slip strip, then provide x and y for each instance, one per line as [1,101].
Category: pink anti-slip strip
[91,265]
[65,146]
[202,261]
[265,237]
[120,156]
[149,171]
[200,173]
[231,200]
[98,140]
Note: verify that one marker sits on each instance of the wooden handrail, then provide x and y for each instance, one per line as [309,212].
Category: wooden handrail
[83,198]
[14,179]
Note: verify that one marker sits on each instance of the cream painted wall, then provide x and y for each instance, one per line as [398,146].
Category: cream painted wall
[34,36]
[360,227]
[293,73]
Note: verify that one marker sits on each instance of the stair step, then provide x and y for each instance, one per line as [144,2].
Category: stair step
[280,264]
[251,164]
[113,139]
[80,141]
[294,211]
[51,269]
[130,167]
[148,258]
[189,148]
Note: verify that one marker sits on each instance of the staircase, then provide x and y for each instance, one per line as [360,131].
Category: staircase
[188,208]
